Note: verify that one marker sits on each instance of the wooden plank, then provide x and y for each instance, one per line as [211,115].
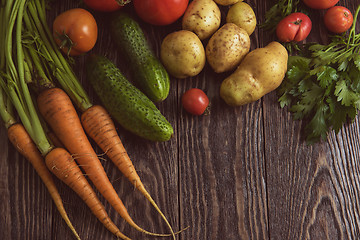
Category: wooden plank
[225,163]
[238,173]
[313,191]
[223,192]
[4,183]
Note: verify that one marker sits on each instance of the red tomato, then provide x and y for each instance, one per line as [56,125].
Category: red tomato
[294,28]
[338,19]
[106,5]
[195,101]
[160,12]
[320,4]
[75,30]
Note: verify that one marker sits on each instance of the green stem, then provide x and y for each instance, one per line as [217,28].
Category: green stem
[5,109]
[39,135]
[19,106]
[352,34]
[41,77]
[2,33]
[10,66]
[28,70]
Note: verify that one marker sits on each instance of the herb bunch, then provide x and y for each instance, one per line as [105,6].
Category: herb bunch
[322,85]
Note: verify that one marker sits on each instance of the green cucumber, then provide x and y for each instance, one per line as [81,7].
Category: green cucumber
[147,71]
[131,108]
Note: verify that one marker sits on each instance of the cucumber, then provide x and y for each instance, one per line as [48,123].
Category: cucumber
[148,72]
[131,108]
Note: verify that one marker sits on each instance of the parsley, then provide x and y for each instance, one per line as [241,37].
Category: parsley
[322,85]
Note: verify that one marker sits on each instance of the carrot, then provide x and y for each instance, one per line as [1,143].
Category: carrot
[62,165]
[27,138]
[58,111]
[59,161]
[26,147]
[100,127]
[35,21]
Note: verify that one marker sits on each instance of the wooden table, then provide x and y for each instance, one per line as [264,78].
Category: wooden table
[238,173]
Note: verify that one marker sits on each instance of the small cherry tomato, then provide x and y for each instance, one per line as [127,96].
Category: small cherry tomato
[338,19]
[106,5]
[195,101]
[75,31]
[160,12]
[320,4]
[294,28]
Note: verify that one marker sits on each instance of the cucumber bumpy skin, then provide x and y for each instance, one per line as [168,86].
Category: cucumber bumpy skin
[132,109]
[147,70]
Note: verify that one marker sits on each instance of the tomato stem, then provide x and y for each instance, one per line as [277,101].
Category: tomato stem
[65,41]
[297,22]
[123,2]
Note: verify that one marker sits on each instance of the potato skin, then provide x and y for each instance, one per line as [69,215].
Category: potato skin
[182,54]
[227,47]
[261,72]
[242,15]
[227,2]
[202,17]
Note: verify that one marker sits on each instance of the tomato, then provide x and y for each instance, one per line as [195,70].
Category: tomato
[106,5]
[75,30]
[160,12]
[338,19]
[195,101]
[294,28]
[320,4]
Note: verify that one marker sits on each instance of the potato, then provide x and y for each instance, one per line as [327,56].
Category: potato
[261,72]
[227,2]
[227,47]
[182,54]
[242,15]
[202,17]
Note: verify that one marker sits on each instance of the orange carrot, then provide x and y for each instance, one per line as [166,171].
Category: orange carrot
[23,143]
[62,165]
[100,127]
[58,111]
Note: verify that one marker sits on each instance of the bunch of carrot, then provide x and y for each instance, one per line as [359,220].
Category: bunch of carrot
[12,80]
[29,138]
[32,57]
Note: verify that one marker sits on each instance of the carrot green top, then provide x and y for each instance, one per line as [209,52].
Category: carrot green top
[35,22]
[31,55]
[13,73]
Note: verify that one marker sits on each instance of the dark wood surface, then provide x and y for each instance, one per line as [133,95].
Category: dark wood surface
[238,173]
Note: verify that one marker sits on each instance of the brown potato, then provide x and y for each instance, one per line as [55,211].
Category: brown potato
[261,72]
[242,15]
[202,17]
[182,54]
[227,2]
[227,47]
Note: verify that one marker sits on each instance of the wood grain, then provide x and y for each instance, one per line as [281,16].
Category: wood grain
[237,173]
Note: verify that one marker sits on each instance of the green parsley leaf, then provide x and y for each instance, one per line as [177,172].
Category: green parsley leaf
[344,94]
[356,58]
[326,76]
[317,127]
